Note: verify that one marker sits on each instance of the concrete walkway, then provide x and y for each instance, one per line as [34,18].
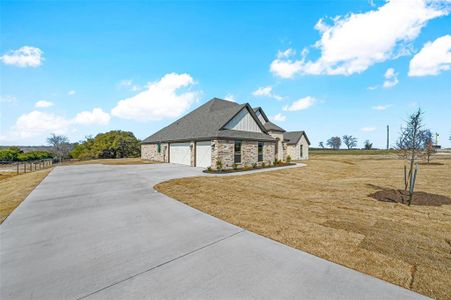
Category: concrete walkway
[102,232]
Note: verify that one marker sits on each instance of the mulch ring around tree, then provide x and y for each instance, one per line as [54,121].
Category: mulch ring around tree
[419,198]
[431,164]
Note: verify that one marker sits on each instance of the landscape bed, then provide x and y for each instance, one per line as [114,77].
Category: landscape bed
[325,209]
[282,164]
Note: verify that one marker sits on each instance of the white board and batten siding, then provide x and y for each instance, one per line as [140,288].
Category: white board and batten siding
[180,153]
[203,154]
[243,121]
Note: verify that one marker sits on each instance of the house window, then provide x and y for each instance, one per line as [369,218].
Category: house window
[159,148]
[302,151]
[260,151]
[237,152]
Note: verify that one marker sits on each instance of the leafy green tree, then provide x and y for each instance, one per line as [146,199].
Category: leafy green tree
[349,141]
[334,142]
[15,154]
[10,154]
[112,144]
[368,145]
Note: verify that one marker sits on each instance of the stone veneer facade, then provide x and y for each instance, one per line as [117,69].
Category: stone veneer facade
[150,152]
[224,150]
[295,150]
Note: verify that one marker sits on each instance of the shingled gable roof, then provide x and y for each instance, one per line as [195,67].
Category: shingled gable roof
[268,125]
[262,112]
[292,137]
[207,122]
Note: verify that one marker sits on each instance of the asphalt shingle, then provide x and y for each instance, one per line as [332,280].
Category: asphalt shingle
[206,122]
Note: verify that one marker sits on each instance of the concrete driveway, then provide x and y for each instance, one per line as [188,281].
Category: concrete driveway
[102,232]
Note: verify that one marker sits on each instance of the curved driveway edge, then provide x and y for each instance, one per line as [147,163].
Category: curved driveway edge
[102,232]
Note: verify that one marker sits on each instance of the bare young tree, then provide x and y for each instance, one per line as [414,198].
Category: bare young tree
[334,142]
[60,144]
[321,144]
[350,141]
[411,145]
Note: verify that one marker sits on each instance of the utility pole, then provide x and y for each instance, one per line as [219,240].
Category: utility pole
[388,137]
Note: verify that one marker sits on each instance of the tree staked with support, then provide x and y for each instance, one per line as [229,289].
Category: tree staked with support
[411,146]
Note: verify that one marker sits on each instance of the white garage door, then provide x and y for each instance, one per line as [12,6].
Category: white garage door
[203,154]
[180,153]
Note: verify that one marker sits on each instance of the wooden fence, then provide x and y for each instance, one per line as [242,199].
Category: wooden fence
[26,166]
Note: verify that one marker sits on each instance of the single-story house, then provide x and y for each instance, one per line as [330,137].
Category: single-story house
[226,133]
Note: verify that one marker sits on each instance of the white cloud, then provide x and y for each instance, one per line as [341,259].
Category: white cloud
[372,87]
[230,97]
[284,66]
[96,116]
[433,58]
[368,129]
[71,93]
[159,101]
[352,43]
[279,117]
[382,106]
[391,78]
[43,103]
[24,57]
[38,123]
[266,92]
[129,84]
[300,104]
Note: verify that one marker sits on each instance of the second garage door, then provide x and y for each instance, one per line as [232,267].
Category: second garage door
[180,153]
[203,154]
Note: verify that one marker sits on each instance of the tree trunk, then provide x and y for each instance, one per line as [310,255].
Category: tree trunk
[412,159]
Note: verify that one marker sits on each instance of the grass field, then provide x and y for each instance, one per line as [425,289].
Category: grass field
[324,209]
[15,188]
[352,152]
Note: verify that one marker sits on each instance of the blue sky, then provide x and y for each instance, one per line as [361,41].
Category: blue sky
[327,67]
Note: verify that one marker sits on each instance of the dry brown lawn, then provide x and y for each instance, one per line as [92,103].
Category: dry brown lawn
[15,188]
[108,161]
[324,209]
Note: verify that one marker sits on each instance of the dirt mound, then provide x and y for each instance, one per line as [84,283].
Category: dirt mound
[419,198]
[431,164]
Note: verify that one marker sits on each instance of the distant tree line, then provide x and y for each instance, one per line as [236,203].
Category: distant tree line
[16,154]
[112,144]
